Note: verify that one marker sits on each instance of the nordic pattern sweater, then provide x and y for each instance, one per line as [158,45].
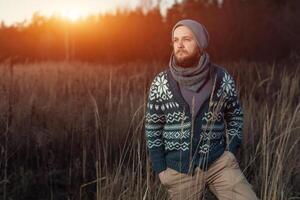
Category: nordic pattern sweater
[182,140]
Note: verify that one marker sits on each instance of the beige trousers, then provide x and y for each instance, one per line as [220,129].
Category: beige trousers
[224,178]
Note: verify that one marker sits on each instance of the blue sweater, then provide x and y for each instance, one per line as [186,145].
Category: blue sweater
[182,141]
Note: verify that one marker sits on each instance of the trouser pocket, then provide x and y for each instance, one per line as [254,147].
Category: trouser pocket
[168,176]
[232,161]
[171,177]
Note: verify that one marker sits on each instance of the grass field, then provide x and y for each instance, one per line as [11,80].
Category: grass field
[76,130]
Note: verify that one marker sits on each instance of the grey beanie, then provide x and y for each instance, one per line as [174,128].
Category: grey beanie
[199,31]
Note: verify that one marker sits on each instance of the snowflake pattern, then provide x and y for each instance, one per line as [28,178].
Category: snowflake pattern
[161,84]
[160,89]
[227,86]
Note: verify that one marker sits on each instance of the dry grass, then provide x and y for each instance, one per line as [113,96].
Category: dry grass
[76,131]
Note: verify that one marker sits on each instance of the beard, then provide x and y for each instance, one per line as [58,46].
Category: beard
[187,60]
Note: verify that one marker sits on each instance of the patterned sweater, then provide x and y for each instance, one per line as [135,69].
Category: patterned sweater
[181,140]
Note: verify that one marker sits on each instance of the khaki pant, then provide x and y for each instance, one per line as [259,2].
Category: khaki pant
[224,178]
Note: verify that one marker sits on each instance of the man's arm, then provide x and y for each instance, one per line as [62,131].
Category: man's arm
[154,124]
[233,116]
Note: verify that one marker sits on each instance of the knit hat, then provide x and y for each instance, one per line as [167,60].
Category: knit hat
[199,31]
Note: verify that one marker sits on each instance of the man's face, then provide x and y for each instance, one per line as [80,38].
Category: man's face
[185,48]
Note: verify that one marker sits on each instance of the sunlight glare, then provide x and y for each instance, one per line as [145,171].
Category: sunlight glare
[72,15]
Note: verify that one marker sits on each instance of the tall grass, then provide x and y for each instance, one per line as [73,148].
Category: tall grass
[76,130]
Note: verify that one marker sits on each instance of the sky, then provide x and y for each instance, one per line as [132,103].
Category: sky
[14,11]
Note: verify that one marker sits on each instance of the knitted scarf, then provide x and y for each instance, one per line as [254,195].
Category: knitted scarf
[193,78]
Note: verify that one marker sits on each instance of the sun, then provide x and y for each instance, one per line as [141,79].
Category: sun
[72,15]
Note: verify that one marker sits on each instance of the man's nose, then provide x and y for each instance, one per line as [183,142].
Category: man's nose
[180,44]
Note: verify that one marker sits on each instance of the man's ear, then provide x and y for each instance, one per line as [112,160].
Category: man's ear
[171,44]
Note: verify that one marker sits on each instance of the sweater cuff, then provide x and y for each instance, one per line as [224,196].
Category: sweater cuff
[234,144]
[159,166]
[233,150]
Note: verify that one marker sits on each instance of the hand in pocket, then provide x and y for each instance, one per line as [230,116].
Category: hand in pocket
[232,160]
[162,176]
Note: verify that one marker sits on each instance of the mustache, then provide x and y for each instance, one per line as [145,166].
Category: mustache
[179,51]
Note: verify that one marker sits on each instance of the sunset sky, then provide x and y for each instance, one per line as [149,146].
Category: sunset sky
[12,11]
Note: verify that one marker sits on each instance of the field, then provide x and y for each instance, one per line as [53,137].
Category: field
[76,130]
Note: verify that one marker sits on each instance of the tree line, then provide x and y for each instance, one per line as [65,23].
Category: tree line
[239,29]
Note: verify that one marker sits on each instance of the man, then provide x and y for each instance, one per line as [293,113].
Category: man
[194,122]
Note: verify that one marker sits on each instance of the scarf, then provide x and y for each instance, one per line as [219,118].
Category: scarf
[193,78]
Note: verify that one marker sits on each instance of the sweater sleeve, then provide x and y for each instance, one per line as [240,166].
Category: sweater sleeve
[154,124]
[233,116]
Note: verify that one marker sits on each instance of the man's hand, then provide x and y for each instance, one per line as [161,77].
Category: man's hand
[161,176]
